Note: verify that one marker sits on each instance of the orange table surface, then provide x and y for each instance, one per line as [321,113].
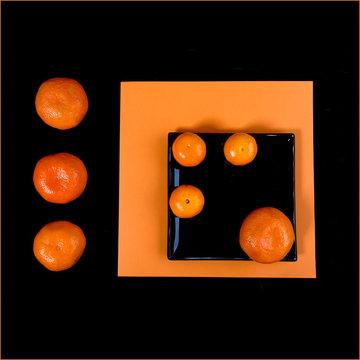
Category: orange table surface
[150,110]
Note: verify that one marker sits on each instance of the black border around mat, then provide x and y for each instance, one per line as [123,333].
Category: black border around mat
[88,312]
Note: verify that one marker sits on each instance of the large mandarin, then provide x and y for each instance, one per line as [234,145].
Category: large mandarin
[60,178]
[266,235]
[59,245]
[61,103]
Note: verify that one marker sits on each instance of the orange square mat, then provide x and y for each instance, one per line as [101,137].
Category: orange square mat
[149,110]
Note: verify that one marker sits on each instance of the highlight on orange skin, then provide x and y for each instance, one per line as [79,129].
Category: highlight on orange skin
[59,245]
[240,149]
[186,201]
[61,103]
[189,149]
[266,235]
[60,178]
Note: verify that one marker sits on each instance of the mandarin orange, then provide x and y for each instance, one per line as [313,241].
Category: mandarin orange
[240,149]
[186,201]
[59,245]
[189,149]
[266,235]
[60,178]
[61,103]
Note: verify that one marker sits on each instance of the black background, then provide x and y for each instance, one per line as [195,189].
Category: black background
[88,311]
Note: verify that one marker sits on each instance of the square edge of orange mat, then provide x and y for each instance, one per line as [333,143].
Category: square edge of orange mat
[125,272]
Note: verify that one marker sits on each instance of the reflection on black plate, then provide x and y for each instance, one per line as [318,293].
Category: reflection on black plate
[231,193]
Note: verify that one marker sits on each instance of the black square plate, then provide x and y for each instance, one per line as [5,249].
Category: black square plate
[231,193]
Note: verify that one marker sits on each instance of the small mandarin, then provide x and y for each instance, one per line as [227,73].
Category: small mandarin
[59,245]
[189,149]
[61,103]
[240,149]
[60,178]
[186,201]
[266,235]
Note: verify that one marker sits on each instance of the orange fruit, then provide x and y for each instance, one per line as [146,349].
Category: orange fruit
[266,235]
[61,103]
[59,245]
[240,149]
[189,149]
[186,201]
[60,178]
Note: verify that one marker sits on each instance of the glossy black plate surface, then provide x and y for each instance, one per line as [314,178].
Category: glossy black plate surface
[231,193]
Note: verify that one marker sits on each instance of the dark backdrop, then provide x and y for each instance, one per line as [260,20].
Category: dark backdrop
[89,312]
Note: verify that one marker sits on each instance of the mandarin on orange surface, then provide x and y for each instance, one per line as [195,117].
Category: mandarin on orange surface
[266,235]
[61,103]
[240,149]
[186,201]
[60,178]
[189,149]
[59,245]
